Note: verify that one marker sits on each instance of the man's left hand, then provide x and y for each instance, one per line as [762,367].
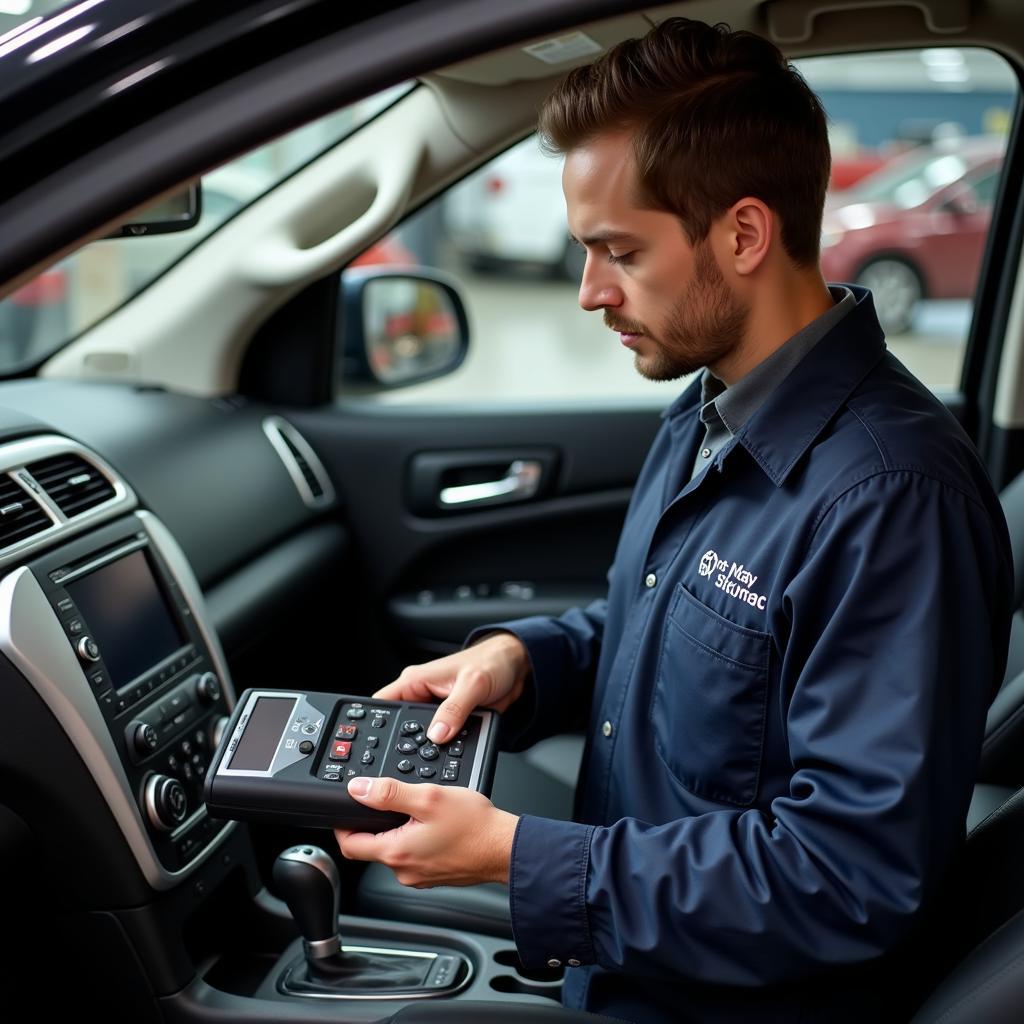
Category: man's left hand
[455,836]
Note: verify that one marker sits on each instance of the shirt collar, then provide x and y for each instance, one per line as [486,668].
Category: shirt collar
[797,410]
[736,404]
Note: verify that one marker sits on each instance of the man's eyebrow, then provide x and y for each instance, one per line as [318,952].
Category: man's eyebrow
[602,236]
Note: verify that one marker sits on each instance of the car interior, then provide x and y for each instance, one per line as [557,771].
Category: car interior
[255,466]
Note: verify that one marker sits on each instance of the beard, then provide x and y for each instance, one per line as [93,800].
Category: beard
[705,324]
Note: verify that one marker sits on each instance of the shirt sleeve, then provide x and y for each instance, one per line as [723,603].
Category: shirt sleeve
[897,624]
[563,655]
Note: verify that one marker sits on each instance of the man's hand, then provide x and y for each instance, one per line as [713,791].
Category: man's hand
[491,674]
[455,836]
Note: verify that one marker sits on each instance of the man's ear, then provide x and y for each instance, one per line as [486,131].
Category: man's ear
[750,227]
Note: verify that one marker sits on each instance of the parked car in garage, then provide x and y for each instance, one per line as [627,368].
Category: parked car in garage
[208,485]
[916,228]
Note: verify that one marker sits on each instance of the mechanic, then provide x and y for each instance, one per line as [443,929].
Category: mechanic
[807,613]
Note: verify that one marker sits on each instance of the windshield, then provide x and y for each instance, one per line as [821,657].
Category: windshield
[84,288]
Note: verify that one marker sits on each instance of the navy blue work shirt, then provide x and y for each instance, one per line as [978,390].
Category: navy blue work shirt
[788,685]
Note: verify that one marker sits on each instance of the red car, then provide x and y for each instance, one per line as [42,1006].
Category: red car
[916,228]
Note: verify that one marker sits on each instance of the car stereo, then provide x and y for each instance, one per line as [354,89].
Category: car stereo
[150,671]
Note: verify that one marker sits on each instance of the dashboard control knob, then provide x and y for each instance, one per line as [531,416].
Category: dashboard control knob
[87,649]
[144,738]
[218,729]
[166,802]
[208,688]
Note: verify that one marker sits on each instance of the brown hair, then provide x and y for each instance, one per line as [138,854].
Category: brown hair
[716,115]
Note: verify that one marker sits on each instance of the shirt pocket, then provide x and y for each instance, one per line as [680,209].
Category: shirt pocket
[709,705]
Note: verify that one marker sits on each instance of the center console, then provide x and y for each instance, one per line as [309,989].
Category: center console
[106,630]
[150,671]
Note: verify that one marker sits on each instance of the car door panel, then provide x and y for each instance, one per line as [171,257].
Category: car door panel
[427,576]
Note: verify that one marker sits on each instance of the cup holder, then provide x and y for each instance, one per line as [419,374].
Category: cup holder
[541,981]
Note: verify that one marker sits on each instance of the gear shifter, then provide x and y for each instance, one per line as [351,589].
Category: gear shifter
[307,879]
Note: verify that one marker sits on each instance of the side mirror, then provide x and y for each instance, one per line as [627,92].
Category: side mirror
[399,326]
[178,212]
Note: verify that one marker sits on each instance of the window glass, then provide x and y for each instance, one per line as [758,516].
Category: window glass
[917,142]
[77,293]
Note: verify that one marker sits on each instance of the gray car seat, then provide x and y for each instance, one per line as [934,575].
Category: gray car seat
[1002,756]
[975,954]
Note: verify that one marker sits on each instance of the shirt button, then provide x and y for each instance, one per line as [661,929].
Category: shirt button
[650,580]
[573,963]
[607,728]
[554,963]
[706,453]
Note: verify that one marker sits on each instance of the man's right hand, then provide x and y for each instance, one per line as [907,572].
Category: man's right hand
[491,674]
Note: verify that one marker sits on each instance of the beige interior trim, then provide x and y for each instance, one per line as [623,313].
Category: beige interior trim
[189,330]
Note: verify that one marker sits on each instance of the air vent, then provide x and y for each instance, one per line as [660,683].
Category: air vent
[314,485]
[305,469]
[21,516]
[72,484]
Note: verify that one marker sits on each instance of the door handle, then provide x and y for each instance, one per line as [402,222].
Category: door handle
[521,480]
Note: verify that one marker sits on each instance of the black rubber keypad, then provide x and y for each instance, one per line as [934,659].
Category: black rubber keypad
[390,739]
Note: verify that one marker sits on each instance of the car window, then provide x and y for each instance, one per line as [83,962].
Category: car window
[16,14]
[84,288]
[903,127]
[985,186]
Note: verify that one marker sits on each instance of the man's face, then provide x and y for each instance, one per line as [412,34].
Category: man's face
[667,299]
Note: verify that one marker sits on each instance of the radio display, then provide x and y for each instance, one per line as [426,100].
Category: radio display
[267,721]
[128,616]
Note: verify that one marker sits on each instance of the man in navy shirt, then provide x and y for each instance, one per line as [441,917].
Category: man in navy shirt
[807,613]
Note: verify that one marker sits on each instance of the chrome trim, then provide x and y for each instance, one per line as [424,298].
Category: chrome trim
[33,640]
[274,427]
[481,746]
[218,730]
[181,573]
[82,649]
[321,948]
[398,993]
[14,458]
[150,797]
[521,480]
[316,858]
[109,556]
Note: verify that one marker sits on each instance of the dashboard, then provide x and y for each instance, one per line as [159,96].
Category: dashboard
[134,526]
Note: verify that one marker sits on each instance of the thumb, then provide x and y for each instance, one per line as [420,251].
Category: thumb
[384,794]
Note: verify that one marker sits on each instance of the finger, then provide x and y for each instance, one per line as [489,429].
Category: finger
[392,795]
[360,846]
[419,682]
[393,691]
[471,688]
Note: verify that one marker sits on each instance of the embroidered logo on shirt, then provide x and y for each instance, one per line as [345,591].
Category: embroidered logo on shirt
[732,577]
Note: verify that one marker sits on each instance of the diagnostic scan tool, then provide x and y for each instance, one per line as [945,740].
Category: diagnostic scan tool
[286,757]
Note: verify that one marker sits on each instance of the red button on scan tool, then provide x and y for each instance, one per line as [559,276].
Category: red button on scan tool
[340,750]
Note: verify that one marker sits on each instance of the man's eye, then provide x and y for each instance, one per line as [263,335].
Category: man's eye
[621,258]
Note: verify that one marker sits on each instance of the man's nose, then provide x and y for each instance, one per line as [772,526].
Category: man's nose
[597,289]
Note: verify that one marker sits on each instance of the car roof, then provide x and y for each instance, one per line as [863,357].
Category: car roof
[162,90]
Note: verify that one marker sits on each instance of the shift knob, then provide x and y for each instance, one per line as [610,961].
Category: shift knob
[307,879]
